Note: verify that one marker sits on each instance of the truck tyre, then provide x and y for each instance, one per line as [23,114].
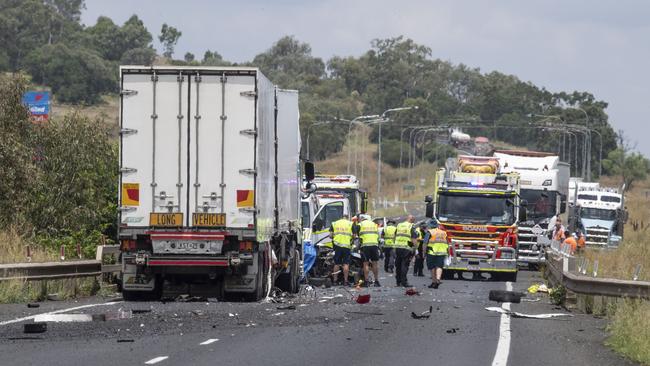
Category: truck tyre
[260,287]
[448,275]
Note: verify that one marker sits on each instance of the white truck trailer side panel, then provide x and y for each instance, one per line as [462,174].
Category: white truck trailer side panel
[265,179]
[288,128]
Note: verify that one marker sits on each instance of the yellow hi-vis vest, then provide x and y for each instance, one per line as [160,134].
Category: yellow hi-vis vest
[389,236]
[369,233]
[438,242]
[342,233]
[403,235]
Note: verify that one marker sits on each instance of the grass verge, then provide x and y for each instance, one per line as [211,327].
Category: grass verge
[630,330]
[16,291]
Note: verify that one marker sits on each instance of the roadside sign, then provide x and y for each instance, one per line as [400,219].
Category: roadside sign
[409,187]
[38,103]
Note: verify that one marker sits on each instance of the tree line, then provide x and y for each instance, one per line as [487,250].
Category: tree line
[46,39]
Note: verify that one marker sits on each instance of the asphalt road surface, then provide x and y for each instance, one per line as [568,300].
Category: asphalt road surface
[326,328]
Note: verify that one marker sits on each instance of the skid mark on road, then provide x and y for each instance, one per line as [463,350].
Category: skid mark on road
[156,360]
[18,320]
[503,347]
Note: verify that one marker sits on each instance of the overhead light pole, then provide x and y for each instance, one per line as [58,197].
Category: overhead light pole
[383,117]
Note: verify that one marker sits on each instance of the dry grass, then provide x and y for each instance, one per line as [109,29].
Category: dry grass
[13,249]
[16,291]
[107,110]
[393,179]
[621,263]
[630,330]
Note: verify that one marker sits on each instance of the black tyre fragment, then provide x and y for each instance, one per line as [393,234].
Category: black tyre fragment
[506,296]
[35,328]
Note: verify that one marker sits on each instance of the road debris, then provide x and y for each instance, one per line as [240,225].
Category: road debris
[538,288]
[188,298]
[33,305]
[515,314]
[452,330]
[36,327]
[140,311]
[287,307]
[412,291]
[370,328]
[423,315]
[278,314]
[99,317]
[53,297]
[125,341]
[362,312]
[506,296]
[63,318]
[363,299]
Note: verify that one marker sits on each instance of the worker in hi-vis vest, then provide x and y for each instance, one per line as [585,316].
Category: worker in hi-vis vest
[341,234]
[437,251]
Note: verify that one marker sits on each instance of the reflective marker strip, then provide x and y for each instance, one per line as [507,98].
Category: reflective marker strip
[156,360]
[208,341]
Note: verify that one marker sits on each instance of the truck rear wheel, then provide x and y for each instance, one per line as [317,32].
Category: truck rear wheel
[288,282]
[260,280]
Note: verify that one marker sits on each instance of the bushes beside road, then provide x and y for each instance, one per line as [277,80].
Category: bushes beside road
[58,183]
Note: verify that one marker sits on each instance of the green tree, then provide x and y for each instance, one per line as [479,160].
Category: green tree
[16,154]
[189,57]
[169,37]
[630,166]
[139,56]
[69,70]
[213,58]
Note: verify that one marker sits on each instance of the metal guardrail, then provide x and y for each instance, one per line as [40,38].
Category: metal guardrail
[560,266]
[59,270]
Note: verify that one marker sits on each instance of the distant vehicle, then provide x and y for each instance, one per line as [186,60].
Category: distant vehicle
[479,207]
[482,146]
[459,138]
[209,177]
[601,215]
[544,183]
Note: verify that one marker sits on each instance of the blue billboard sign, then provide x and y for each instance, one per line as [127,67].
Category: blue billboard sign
[38,102]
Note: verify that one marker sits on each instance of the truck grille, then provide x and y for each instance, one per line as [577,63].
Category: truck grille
[599,237]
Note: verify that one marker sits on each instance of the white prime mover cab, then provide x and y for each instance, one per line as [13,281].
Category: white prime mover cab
[209,180]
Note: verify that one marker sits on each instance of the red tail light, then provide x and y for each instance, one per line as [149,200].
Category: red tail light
[128,245]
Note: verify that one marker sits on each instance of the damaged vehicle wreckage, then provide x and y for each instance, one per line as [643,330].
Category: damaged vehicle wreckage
[209,181]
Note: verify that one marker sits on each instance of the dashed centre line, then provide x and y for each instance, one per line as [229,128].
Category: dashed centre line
[209,341]
[154,361]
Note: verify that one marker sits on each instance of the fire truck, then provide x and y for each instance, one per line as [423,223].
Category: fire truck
[479,207]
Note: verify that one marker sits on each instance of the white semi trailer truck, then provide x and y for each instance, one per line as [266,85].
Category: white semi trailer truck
[209,181]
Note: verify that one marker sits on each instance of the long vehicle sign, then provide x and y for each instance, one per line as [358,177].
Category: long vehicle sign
[165,219]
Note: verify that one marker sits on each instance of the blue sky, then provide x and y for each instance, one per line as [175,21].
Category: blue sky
[598,46]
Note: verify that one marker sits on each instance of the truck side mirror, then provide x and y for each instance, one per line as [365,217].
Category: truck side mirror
[428,199]
[523,203]
[523,214]
[364,202]
[309,171]
[317,225]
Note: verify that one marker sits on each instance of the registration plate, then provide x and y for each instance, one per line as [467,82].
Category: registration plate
[165,219]
[473,268]
[187,246]
[208,219]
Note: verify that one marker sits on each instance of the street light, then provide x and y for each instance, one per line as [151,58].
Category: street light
[350,122]
[383,117]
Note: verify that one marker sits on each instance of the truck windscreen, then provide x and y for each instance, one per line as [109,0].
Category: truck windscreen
[475,209]
[541,204]
[597,214]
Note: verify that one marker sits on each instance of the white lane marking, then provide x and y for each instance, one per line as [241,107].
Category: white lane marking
[212,340]
[156,360]
[503,347]
[18,320]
